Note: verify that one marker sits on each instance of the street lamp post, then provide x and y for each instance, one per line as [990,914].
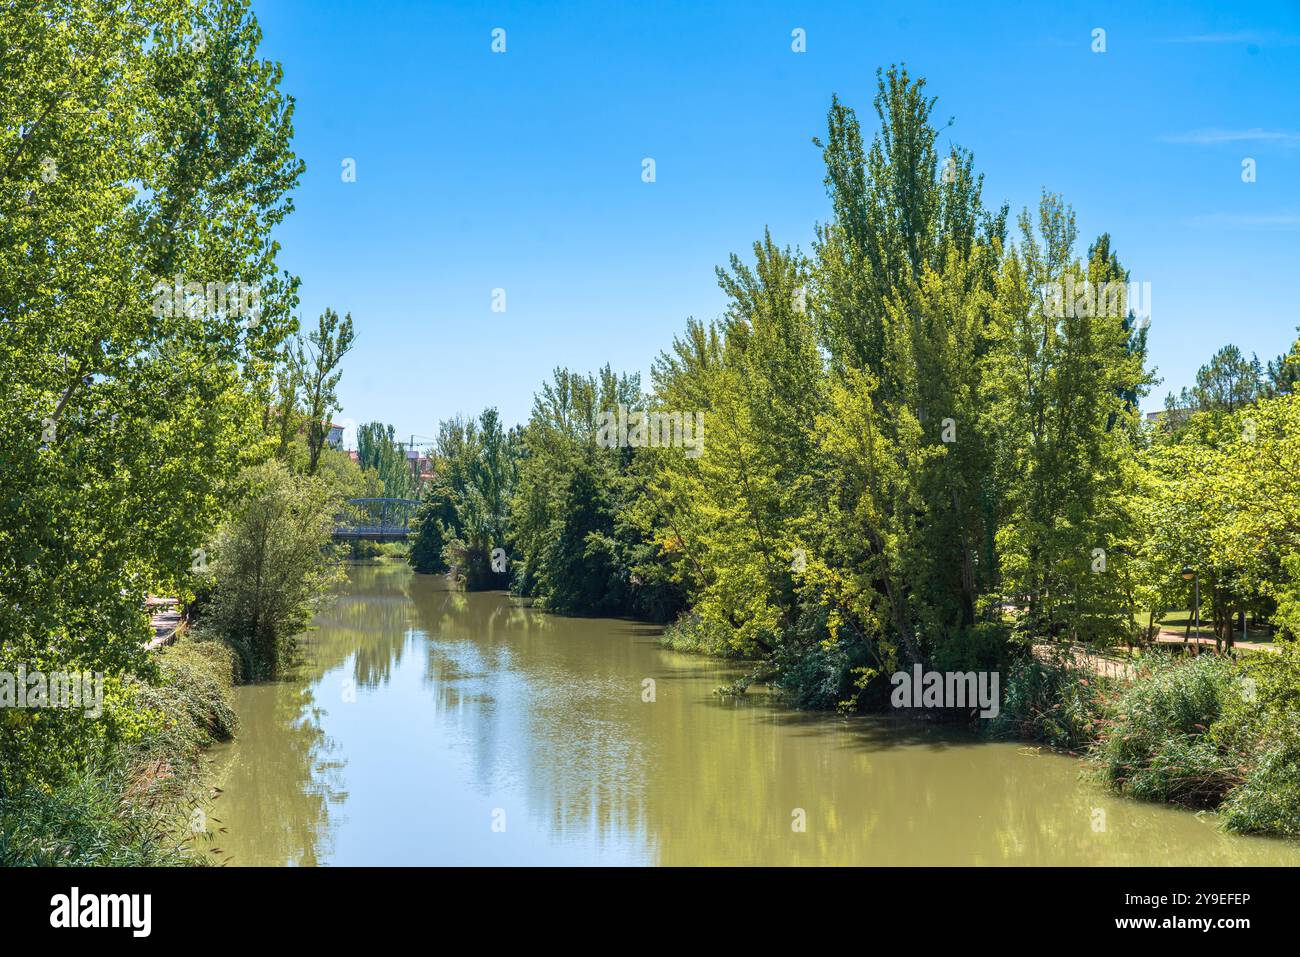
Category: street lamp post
[1194,576]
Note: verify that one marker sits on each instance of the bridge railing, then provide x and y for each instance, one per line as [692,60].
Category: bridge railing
[376,518]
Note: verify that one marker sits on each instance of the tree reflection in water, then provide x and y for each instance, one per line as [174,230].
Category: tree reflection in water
[473,702]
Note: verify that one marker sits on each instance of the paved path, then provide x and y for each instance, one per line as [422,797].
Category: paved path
[1110,666]
[165,618]
[1168,636]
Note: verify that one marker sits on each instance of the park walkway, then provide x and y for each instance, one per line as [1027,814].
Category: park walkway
[165,619]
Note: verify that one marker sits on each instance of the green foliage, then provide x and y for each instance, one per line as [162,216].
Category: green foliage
[191,707]
[378,449]
[271,565]
[138,387]
[1268,801]
[1061,391]
[465,511]
[1160,744]
[120,422]
[1222,498]
[1213,732]
[40,746]
[1262,719]
[118,807]
[574,530]
[317,362]
[1228,383]
[127,407]
[1057,702]
[87,821]
[1288,598]
[900,431]
[433,526]
[1284,373]
[361,549]
[984,646]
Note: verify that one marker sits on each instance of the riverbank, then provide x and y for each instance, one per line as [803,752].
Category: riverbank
[140,800]
[1202,731]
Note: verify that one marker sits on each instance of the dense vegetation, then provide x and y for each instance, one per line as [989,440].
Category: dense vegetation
[120,805]
[922,445]
[161,425]
[910,456]
[903,452]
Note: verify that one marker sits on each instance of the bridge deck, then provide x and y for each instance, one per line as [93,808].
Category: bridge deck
[359,523]
[350,532]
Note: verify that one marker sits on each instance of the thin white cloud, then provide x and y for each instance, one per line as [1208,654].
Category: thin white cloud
[1250,220]
[1240,36]
[1255,135]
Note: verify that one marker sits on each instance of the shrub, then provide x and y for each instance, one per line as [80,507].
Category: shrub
[818,674]
[272,564]
[1262,719]
[1268,801]
[1159,742]
[1056,702]
[120,806]
[690,633]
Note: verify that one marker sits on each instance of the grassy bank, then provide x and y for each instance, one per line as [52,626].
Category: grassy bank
[1202,732]
[128,805]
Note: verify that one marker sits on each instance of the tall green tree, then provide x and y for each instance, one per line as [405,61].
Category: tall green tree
[1059,386]
[1227,383]
[317,359]
[131,163]
[378,449]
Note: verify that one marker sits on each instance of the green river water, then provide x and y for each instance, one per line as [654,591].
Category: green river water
[430,726]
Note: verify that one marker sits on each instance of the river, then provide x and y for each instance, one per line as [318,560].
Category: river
[430,726]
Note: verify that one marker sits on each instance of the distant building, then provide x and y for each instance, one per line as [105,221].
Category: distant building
[420,467]
[1168,418]
[334,439]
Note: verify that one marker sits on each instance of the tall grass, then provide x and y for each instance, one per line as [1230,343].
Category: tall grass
[129,808]
[1210,732]
[1056,702]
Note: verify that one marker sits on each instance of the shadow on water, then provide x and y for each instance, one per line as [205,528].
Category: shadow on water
[423,717]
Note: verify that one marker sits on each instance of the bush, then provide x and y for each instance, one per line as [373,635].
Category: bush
[272,565]
[1159,742]
[819,675]
[1268,801]
[1055,702]
[120,807]
[695,634]
[1262,719]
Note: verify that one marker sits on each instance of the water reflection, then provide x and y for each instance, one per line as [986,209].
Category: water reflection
[467,710]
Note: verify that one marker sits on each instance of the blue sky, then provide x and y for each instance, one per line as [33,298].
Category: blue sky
[522,170]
